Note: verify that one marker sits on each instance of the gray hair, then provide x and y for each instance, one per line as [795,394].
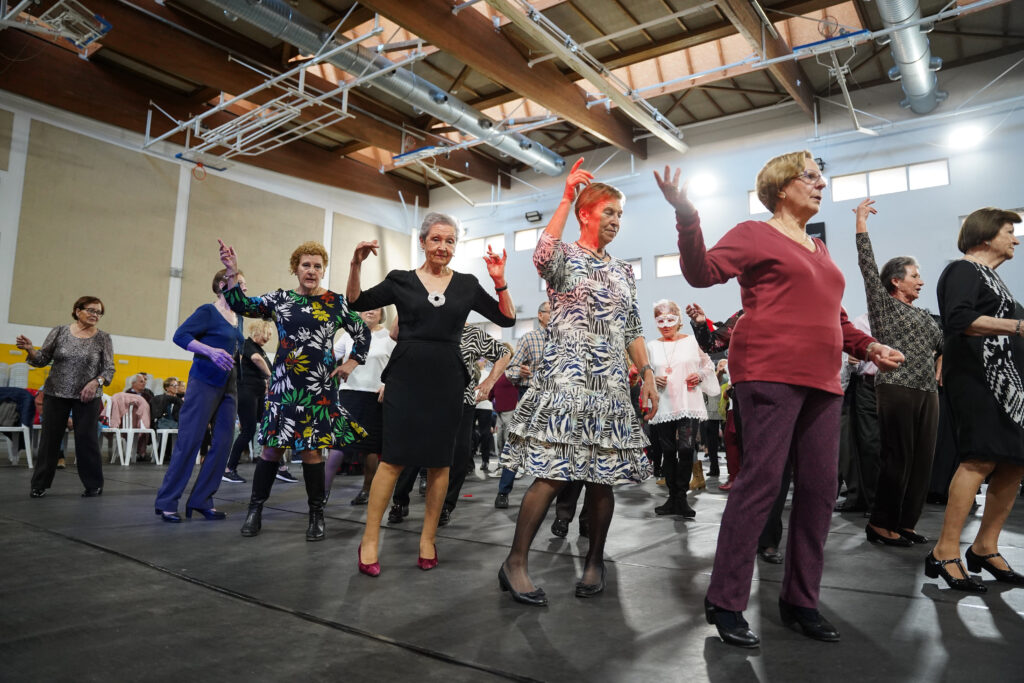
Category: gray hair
[437,218]
[138,376]
[896,269]
[542,305]
[666,304]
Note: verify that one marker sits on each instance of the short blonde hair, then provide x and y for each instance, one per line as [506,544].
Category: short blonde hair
[667,305]
[594,193]
[264,326]
[311,248]
[776,174]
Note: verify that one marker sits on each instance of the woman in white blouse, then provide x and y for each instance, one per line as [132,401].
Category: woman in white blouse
[361,395]
[683,374]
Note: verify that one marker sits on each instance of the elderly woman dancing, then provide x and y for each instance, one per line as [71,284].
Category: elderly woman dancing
[576,422]
[785,276]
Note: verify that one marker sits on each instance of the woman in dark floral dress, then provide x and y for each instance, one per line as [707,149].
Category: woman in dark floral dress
[302,410]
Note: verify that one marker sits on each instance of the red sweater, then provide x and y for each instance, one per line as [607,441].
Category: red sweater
[794,328]
[505,395]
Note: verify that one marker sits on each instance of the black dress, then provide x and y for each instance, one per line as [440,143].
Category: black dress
[982,376]
[425,377]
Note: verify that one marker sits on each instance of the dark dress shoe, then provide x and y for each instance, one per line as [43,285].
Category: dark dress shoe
[589,590]
[770,555]
[171,517]
[732,627]
[362,498]
[501,501]
[809,620]
[912,536]
[849,507]
[446,517]
[933,569]
[560,528]
[397,513]
[875,537]
[92,493]
[535,597]
[976,563]
[37,493]
[210,515]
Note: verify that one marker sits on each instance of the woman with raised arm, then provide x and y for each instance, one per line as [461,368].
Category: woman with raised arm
[576,421]
[792,293]
[302,410]
[425,376]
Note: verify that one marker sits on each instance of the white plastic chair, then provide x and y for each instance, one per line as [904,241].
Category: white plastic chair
[12,449]
[128,430]
[18,375]
[5,374]
[165,436]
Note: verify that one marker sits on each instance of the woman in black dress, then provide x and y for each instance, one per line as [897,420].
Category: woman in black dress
[982,372]
[425,377]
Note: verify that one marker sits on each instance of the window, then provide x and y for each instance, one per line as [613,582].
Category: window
[755,205]
[526,239]
[496,243]
[929,174]
[473,248]
[667,265]
[849,187]
[887,181]
[637,267]
[522,327]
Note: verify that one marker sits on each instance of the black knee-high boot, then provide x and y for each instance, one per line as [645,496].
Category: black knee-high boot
[262,480]
[314,476]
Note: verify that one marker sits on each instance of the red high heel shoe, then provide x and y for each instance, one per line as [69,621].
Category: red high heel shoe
[368,569]
[425,564]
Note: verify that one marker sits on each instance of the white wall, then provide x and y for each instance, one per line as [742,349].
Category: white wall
[922,223]
[332,200]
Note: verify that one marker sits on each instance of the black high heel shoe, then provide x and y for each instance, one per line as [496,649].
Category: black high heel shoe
[171,517]
[976,563]
[875,537]
[589,590]
[210,514]
[732,627]
[536,597]
[934,568]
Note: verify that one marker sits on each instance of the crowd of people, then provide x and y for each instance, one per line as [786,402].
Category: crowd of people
[586,402]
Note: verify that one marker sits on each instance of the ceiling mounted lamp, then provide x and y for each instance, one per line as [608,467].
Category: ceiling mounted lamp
[534,216]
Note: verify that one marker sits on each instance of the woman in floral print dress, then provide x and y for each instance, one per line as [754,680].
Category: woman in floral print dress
[302,407]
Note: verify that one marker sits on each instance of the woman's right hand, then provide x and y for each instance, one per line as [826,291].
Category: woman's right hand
[221,358]
[661,382]
[577,177]
[696,313]
[363,250]
[228,257]
[23,343]
[863,210]
[674,193]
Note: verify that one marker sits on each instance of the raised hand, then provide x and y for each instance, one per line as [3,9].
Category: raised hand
[495,264]
[863,210]
[674,193]
[696,313]
[577,177]
[228,257]
[23,343]
[363,251]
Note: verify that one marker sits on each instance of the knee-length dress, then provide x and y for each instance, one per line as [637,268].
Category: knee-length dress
[983,377]
[576,422]
[302,411]
[425,377]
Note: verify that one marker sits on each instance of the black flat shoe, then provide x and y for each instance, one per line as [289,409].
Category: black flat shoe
[976,563]
[770,555]
[933,569]
[92,493]
[362,498]
[560,528]
[912,536]
[809,620]
[589,590]
[536,597]
[210,514]
[732,627]
[37,493]
[397,513]
[876,537]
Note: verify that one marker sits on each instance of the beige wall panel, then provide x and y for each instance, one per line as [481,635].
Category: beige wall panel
[6,123]
[95,219]
[263,227]
[393,254]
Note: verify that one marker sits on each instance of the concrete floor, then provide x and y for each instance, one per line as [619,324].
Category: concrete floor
[100,589]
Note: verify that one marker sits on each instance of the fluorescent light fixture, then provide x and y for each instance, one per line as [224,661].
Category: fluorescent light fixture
[965,137]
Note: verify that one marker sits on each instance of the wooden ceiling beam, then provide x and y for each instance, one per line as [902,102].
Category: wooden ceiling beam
[470,37]
[61,80]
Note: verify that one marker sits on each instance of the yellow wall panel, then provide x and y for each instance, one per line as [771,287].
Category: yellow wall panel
[124,367]
[6,123]
[95,219]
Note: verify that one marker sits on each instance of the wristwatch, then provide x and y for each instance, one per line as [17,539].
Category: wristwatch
[100,381]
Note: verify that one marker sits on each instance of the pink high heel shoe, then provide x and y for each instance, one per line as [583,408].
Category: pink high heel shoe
[368,569]
[425,564]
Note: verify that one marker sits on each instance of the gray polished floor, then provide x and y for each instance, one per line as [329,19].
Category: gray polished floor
[100,589]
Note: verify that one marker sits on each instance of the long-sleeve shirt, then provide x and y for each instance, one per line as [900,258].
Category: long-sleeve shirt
[794,328]
[478,344]
[208,326]
[675,360]
[76,362]
[530,352]
[714,338]
[900,325]
[365,377]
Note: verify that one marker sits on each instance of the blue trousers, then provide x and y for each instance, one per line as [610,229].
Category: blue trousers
[203,403]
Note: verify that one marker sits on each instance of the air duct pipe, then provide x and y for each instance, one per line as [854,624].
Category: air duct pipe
[915,66]
[282,21]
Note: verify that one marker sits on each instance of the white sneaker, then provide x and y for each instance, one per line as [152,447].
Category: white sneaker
[495,473]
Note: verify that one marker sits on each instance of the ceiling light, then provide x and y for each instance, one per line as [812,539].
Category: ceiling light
[965,137]
[702,184]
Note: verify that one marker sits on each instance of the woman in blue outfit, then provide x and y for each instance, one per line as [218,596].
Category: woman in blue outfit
[211,333]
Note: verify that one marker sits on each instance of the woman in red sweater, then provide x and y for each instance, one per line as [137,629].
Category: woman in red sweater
[784,362]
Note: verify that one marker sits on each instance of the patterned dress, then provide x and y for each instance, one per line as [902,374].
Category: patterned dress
[302,411]
[576,422]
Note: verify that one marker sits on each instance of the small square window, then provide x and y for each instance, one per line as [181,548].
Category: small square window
[929,174]
[667,265]
[473,248]
[526,239]
[754,204]
[854,186]
[496,243]
[637,265]
[887,181]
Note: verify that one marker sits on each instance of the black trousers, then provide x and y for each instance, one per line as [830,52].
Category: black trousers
[865,429]
[908,421]
[86,418]
[677,439]
[710,432]
[250,412]
[483,421]
[566,500]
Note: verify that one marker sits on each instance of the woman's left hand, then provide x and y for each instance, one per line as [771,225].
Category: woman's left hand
[344,370]
[89,391]
[675,194]
[648,400]
[483,390]
[496,266]
[380,394]
[886,358]
[692,381]
[863,210]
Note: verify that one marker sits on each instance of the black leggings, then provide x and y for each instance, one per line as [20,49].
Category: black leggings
[250,412]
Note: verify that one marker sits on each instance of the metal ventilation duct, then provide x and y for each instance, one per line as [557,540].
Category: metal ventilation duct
[915,65]
[282,21]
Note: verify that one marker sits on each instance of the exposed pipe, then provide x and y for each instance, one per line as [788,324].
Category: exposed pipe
[282,21]
[915,67]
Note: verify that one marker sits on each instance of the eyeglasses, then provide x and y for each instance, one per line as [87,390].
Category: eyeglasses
[811,177]
[93,311]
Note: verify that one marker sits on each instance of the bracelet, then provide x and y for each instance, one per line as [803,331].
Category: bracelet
[502,289]
[645,368]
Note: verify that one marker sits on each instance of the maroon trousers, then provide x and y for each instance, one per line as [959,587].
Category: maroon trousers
[775,417]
